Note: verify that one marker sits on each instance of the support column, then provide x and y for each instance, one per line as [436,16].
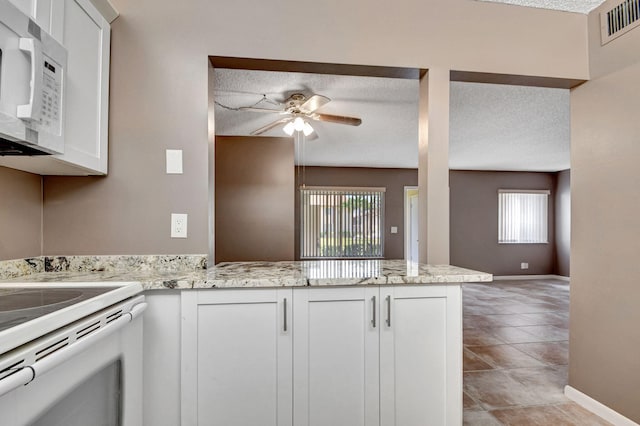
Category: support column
[433,167]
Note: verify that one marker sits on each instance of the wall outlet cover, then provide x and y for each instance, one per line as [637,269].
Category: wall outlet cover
[174,161]
[524,265]
[178,225]
[394,229]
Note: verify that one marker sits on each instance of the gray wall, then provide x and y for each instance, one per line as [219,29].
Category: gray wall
[254,199]
[20,214]
[563,223]
[605,220]
[159,82]
[393,179]
[474,223]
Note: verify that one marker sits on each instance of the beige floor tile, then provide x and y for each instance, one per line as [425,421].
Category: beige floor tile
[504,356]
[495,389]
[479,418]
[480,337]
[472,362]
[530,416]
[555,353]
[582,416]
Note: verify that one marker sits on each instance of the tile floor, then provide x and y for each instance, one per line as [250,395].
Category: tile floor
[516,354]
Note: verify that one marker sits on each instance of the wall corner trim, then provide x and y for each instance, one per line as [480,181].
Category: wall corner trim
[598,408]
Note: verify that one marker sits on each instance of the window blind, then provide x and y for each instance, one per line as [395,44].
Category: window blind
[523,216]
[342,223]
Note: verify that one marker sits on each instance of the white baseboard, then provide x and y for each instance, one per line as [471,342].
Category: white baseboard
[598,408]
[530,277]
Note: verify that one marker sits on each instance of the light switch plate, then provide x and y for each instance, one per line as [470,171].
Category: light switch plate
[174,161]
[178,225]
[394,229]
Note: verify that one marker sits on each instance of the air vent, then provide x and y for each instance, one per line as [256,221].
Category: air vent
[45,352]
[619,19]
[12,369]
[87,330]
[114,316]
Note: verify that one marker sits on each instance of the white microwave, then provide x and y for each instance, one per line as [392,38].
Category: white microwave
[32,76]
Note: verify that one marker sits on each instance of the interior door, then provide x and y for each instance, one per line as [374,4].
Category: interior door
[413,233]
[336,368]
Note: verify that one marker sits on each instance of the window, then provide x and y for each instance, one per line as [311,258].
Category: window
[341,222]
[522,216]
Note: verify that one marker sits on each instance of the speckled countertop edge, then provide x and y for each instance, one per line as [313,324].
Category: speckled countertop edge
[164,272]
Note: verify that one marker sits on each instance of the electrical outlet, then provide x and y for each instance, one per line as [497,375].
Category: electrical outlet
[524,265]
[178,225]
[394,229]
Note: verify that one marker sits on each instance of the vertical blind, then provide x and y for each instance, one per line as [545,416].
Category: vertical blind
[341,222]
[523,216]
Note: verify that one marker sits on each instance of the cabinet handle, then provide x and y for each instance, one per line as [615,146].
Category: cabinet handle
[373,319]
[285,314]
[388,311]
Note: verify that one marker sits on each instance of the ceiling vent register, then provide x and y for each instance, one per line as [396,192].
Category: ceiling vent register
[619,19]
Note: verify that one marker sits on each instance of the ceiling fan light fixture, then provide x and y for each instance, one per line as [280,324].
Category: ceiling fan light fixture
[298,124]
[289,128]
[307,129]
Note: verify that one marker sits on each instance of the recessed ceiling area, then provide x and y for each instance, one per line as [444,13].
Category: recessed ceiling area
[388,108]
[493,127]
[578,6]
[502,127]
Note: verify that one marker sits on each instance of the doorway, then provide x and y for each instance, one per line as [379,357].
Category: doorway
[411,221]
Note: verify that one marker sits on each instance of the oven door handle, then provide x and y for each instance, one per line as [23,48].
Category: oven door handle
[29,373]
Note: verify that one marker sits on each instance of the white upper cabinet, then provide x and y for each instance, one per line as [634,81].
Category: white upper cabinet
[86,35]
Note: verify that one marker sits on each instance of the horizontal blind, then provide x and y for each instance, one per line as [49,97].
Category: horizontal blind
[341,223]
[523,217]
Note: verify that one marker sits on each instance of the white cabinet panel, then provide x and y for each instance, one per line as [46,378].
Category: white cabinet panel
[419,360]
[241,348]
[25,6]
[335,357]
[86,35]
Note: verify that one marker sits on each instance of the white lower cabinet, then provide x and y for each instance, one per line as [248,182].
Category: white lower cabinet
[420,356]
[335,367]
[237,358]
[351,356]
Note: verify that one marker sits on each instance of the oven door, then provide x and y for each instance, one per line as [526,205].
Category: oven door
[100,385]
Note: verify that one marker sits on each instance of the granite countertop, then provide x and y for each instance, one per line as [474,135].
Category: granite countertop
[187,272]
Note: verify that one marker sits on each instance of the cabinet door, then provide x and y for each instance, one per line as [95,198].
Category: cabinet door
[420,356]
[26,6]
[236,357]
[336,357]
[86,35]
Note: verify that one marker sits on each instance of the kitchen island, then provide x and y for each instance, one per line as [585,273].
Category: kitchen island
[369,342]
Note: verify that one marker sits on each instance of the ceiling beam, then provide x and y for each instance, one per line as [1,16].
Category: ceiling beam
[515,80]
[313,67]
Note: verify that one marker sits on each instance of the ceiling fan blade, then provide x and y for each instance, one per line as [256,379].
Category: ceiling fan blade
[269,126]
[312,137]
[340,119]
[314,102]
[254,109]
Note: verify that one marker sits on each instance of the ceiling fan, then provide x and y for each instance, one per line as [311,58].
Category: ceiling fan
[296,110]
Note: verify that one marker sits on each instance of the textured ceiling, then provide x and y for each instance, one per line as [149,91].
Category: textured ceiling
[500,127]
[387,136]
[579,6]
[493,127]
